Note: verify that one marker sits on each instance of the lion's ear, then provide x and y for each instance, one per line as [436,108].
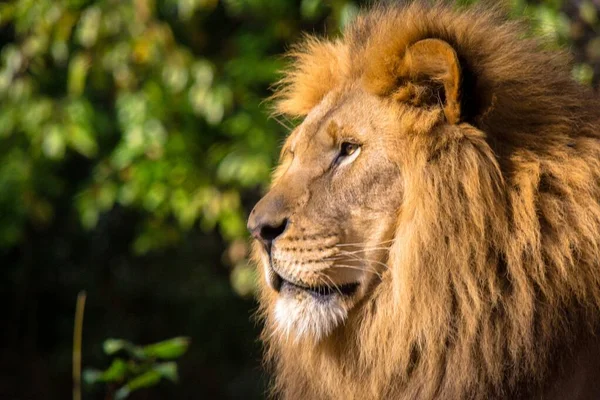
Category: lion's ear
[429,74]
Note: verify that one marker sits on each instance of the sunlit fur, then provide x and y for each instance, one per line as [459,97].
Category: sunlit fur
[494,266]
[299,320]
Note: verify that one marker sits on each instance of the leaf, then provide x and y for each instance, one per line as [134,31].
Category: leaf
[89,25]
[106,195]
[82,140]
[88,211]
[588,12]
[116,372]
[168,349]
[78,68]
[583,73]
[53,144]
[311,9]
[122,393]
[145,380]
[92,375]
[167,370]
[112,346]
[348,14]
[243,279]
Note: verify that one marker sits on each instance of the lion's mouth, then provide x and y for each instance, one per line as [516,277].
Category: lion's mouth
[322,292]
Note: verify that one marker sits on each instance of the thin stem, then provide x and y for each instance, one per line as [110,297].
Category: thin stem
[77,338]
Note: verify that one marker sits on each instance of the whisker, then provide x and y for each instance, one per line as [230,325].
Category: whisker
[363,261]
[364,243]
[371,270]
[289,121]
[360,259]
[278,120]
[364,250]
[321,276]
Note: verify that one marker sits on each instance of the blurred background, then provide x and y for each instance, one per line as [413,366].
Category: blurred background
[134,139]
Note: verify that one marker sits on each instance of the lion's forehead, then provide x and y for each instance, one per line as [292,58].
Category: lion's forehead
[335,117]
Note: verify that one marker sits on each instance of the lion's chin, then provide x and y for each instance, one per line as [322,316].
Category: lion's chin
[305,314]
[308,319]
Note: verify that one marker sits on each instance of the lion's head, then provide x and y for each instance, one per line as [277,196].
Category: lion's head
[328,220]
[433,225]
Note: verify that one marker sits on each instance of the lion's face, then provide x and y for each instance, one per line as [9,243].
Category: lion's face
[326,223]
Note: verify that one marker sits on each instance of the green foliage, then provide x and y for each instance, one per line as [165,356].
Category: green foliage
[159,107]
[144,368]
[166,131]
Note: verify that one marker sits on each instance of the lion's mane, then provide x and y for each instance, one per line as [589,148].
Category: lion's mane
[495,260]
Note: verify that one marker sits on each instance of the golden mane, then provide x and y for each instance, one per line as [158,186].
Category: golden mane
[496,260]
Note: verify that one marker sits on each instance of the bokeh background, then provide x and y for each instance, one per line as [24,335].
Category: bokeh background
[134,139]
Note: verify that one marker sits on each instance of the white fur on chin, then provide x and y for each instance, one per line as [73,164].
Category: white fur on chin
[308,318]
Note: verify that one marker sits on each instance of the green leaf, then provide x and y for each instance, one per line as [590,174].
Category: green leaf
[89,25]
[82,140]
[78,68]
[588,12]
[348,14]
[311,9]
[167,370]
[243,279]
[88,211]
[53,144]
[168,349]
[583,73]
[116,372]
[92,375]
[145,380]
[112,346]
[122,393]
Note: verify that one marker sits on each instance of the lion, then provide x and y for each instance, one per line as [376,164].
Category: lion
[432,230]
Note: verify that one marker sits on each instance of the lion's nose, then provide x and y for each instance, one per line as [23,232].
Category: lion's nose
[268,220]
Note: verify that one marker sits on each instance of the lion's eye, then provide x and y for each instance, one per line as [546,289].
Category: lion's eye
[348,153]
[348,149]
